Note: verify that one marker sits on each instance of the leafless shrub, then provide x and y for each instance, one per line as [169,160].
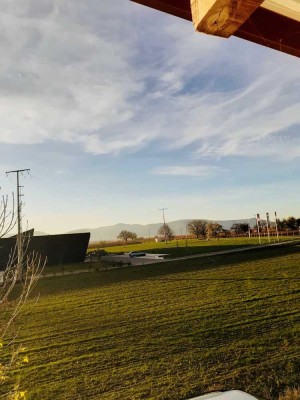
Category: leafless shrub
[27,271]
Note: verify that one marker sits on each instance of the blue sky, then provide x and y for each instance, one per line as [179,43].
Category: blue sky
[119,110]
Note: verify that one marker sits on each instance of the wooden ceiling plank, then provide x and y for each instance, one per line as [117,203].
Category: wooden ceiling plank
[221,17]
[179,8]
[264,27]
[289,8]
[272,30]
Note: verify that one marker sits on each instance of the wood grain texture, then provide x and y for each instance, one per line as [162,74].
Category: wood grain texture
[179,8]
[221,17]
[289,8]
[264,27]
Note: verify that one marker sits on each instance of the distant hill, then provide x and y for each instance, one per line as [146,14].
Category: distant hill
[40,233]
[179,227]
[35,233]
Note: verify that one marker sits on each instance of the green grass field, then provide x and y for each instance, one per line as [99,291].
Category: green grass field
[166,331]
[67,268]
[181,248]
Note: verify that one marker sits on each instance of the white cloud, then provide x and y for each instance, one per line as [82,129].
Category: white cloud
[112,78]
[239,123]
[94,144]
[77,72]
[61,79]
[180,170]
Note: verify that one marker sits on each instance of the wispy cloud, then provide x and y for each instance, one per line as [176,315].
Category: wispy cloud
[65,74]
[246,121]
[180,170]
[75,73]
[95,94]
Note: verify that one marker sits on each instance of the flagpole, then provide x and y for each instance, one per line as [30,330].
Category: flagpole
[257,223]
[268,222]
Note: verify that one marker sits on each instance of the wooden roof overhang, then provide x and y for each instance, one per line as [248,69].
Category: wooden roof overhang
[246,19]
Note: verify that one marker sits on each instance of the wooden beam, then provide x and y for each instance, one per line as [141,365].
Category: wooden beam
[289,8]
[221,17]
[179,8]
[264,27]
[272,30]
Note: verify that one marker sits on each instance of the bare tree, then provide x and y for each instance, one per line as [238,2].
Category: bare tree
[213,229]
[133,236]
[239,228]
[32,266]
[197,228]
[282,224]
[166,231]
[8,216]
[125,235]
[292,223]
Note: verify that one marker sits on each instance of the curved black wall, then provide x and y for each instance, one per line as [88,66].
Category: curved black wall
[58,249]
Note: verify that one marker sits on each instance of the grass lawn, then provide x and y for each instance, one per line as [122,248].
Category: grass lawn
[166,331]
[178,248]
[73,267]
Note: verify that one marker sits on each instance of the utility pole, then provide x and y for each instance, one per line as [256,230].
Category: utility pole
[163,212]
[19,222]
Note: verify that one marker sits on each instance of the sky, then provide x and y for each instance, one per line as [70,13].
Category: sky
[119,110]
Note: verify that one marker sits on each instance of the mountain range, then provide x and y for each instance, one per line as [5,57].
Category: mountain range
[179,227]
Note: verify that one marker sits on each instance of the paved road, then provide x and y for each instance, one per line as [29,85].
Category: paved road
[126,259]
[144,261]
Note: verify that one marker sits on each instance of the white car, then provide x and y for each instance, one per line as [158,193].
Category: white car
[231,395]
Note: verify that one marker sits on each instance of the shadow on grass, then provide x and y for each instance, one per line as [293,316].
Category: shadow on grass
[49,286]
[193,250]
[180,249]
[234,279]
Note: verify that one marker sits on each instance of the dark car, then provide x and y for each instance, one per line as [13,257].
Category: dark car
[136,254]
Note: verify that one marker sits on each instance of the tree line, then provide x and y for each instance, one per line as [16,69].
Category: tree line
[290,223]
[197,228]
[203,229]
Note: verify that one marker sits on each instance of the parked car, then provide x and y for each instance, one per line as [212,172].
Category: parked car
[136,254]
